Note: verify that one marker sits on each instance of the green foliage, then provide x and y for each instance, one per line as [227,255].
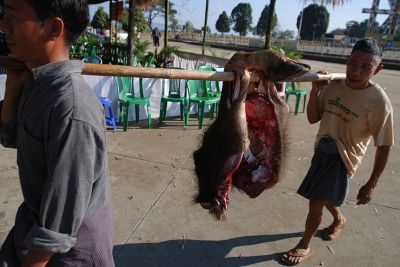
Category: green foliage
[262,21]
[140,21]
[315,22]
[84,45]
[242,18]
[173,24]
[351,28]
[281,50]
[287,34]
[157,10]
[164,58]
[363,28]
[338,31]
[188,27]
[87,38]
[141,48]
[100,19]
[223,23]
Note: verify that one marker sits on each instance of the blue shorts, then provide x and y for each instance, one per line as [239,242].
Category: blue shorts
[327,177]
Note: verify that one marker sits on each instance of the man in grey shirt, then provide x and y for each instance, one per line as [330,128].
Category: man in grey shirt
[56,123]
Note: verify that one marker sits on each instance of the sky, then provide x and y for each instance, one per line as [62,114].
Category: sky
[286,11]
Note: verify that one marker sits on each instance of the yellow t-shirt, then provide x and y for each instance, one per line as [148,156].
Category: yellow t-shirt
[351,117]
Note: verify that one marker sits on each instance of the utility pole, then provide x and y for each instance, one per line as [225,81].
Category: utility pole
[205,30]
[166,23]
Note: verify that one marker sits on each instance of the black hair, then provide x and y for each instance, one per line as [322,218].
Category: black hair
[74,14]
[369,45]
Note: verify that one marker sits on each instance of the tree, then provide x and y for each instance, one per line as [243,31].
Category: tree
[223,23]
[100,19]
[242,18]
[261,27]
[363,28]
[315,22]
[140,21]
[287,34]
[187,27]
[158,9]
[208,29]
[351,28]
[133,6]
[174,24]
[338,31]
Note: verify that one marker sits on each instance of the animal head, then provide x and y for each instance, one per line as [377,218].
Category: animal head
[270,65]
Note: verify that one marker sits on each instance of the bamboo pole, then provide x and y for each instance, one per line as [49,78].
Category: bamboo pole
[142,72]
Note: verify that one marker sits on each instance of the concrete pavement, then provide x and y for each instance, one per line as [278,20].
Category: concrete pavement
[157,224]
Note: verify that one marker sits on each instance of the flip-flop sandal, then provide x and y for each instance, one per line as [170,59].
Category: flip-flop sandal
[293,253]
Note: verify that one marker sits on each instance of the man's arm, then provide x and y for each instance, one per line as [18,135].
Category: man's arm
[381,159]
[313,114]
[37,258]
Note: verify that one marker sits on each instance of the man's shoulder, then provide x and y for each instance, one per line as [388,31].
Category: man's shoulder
[378,93]
[77,98]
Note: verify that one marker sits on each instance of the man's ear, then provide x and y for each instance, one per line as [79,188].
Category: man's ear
[56,28]
[380,67]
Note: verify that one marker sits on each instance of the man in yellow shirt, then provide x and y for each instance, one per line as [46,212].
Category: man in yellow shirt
[350,112]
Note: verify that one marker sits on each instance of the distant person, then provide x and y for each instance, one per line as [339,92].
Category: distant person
[56,123]
[350,112]
[156,37]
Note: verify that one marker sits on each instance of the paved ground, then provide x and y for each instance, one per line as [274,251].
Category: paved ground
[157,224]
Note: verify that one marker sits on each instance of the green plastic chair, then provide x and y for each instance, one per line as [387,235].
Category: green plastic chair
[298,93]
[207,85]
[174,95]
[148,61]
[127,96]
[201,100]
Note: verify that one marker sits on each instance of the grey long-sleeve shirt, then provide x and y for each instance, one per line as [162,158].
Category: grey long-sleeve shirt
[60,138]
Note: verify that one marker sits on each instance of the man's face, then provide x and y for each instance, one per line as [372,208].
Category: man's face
[361,67]
[24,34]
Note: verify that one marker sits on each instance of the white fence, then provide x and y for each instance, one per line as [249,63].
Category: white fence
[323,49]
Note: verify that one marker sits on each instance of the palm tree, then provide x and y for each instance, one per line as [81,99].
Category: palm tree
[272,11]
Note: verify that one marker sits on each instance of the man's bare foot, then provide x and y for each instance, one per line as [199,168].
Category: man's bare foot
[334,230]
[296,256]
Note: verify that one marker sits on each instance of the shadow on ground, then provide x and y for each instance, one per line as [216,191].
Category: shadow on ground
[195,252]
